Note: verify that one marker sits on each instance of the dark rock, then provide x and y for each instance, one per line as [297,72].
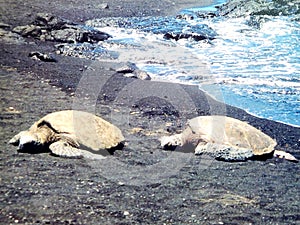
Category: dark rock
[185,17]
[4,25]
[195,33]
[50,21]
[206,15]
[65,36]
[83,50]
[42,57]
[95,36]
[10,37]
[28,30]
[48,27]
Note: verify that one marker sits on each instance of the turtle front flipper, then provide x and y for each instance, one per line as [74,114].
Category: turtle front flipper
[64,149]
[223,152]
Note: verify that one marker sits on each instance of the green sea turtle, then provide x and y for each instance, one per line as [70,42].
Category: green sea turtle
[70,133]
[225,138]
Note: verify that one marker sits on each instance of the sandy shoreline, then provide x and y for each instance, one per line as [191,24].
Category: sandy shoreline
[47,190]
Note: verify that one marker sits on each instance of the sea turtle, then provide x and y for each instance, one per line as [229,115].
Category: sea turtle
[225,138]
[70,133]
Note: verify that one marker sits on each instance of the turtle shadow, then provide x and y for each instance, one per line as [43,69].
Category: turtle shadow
[106,152]
[34,148]
[263,157]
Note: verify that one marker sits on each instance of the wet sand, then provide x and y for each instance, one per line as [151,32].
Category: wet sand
[141,184]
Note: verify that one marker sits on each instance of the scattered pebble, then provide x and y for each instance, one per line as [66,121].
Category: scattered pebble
[126,213]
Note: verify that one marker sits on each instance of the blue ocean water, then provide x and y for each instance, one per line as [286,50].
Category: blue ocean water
[257,69]
[253,68]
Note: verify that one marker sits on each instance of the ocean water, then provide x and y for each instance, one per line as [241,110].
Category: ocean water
[256,68]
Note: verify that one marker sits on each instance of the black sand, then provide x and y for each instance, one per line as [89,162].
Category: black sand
[141,184]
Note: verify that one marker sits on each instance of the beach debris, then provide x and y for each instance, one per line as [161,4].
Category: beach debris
[72,134]
[225,138]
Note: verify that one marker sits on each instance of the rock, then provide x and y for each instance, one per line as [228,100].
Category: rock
[84,50]
[185,17]
[50,21]
[42,57]
[130,75]
[10,37]
[197,33]
[128,67]
[28,30]
[239,8]
[103,6]
[95,36]
[143,75]
[48,27]
[4,25]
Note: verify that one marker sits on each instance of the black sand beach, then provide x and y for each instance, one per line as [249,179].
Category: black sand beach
[141,184]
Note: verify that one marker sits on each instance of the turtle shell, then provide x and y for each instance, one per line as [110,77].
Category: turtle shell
[90,131]
[232,132]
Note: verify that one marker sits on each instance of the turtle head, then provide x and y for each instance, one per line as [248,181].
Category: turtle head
[27,141]
[171,142]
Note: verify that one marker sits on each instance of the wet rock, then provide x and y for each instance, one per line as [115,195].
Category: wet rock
[185,17]
[207,15]
[197,34]
[143,75]
[138,74]
[128,67]
[170,27]
[42,57]
[239,8]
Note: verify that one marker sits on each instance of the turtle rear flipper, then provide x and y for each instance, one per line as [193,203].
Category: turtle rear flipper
[285,155]
[63,149]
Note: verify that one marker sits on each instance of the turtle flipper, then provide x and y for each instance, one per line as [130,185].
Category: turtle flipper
[285,155]
[223,152]
[63,149]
